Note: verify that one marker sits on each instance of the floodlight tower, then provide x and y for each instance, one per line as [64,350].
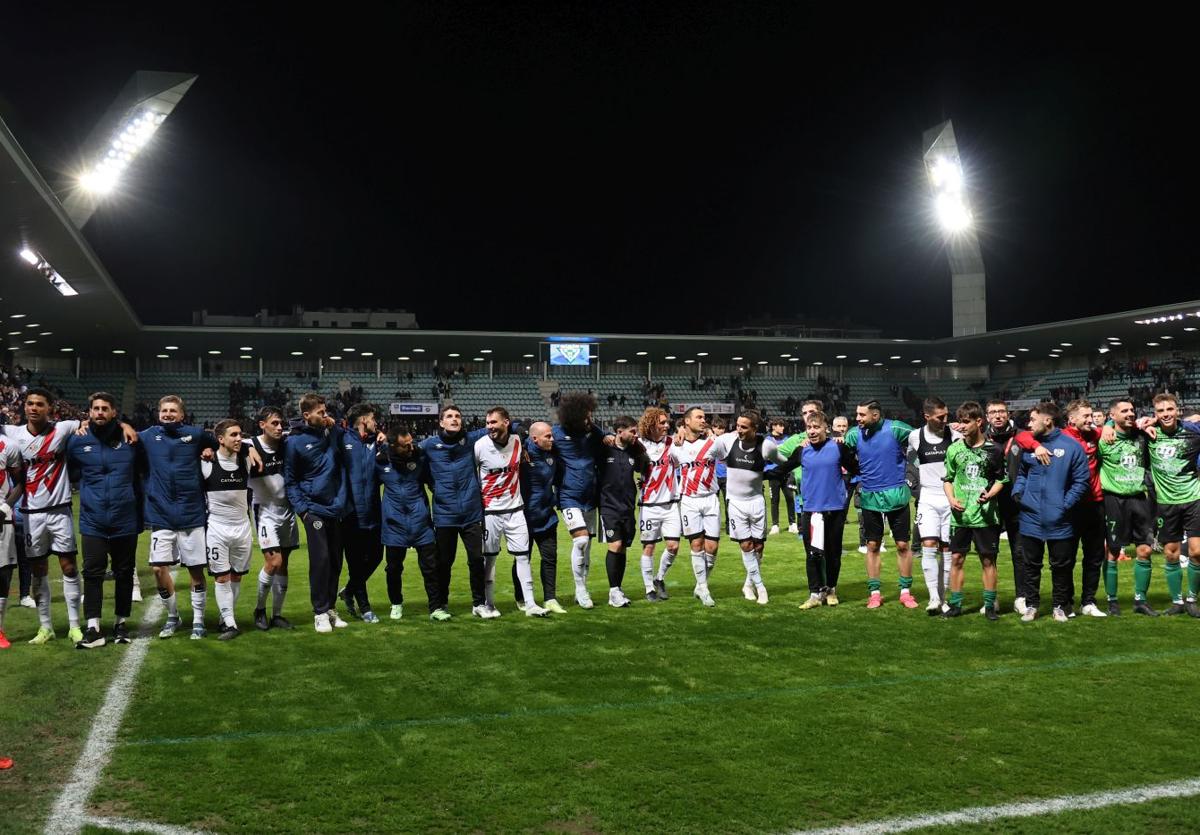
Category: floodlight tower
[122,132]
[968,284]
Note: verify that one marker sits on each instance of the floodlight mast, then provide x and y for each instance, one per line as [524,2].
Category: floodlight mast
[952,208]
[121,134]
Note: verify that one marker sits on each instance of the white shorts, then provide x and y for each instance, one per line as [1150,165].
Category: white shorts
[701,515]
[48,532]
[276,528]
[228,549]
[659,521]
[174,547]
[933,521]
[747,519]
[8,544]
[511,525]
[579,520]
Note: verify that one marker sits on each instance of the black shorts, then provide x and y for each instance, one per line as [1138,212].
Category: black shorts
[987,540]
[1127,520]
[616,526]
[1175,519]
[899,520]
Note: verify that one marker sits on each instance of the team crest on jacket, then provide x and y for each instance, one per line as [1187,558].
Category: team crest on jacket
[309,446]
[412,465]
[318,524]
[349,446]
[1059,453]
[187,439]
[87,449]
[158,437]
[549,461]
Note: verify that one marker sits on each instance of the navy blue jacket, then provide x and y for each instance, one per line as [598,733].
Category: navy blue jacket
[358,458]
[577,485]
[457,498]
[405,510]
[1047,493]
[537,488]
[312,472]
[109,501]
[174,494]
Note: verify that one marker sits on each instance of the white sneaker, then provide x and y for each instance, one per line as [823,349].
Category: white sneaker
[793,528]
[774,530]
[554,607]
[1019,605]
[1030,614]
[748,590]
[397,611]
[617,599]
[702,594]
[935,605]
[479,611]
[762,595]
[532,610]
[862,549]
[336,620]
[1059,615]
[321,622]
[28,602]
[584,600]
[490,612]
[1093,611]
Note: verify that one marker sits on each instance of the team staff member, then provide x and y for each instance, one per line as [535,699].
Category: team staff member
[777,430]
[538,475]
[1001,429]
[457,507]
[315,482]
[1047,493]
[361,544]
[108,471]
[405,523]
[1088,515]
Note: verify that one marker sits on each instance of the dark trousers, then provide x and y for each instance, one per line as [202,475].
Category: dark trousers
[363,552]
[426,561]
[789,494]
[96,553]
[1090,529]
[24,572]
[856,497]
[447,546]
[547,545]
[1010,518]
[1062,570]
[324,560]
[823,565]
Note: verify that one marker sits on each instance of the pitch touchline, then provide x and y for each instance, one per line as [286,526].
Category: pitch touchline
[1029,809]
[667,701]
[67,816]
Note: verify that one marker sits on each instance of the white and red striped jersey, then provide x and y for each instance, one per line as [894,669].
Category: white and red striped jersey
[698,465]
[659,486]
[10,460]
[499,473]
[45,457]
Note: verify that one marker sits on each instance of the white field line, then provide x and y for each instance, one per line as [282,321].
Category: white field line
[126,825]
[1030,809]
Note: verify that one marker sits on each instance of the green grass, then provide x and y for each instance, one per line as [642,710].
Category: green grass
[664,718]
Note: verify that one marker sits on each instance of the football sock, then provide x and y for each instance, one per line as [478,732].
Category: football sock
[525,577]
[665,563]
[1141,578]
[648,572]
[264,588]
[1174,574]
[929,568]
[279,586]
[42,585]
[199,598]
[71,594]
[224,596]
[1110,579]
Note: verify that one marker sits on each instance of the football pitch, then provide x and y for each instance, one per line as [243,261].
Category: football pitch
[661,717]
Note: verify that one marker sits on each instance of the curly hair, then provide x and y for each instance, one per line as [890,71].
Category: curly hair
[573,411]
[648,424]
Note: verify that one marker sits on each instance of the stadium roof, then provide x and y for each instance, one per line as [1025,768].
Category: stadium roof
[99,319]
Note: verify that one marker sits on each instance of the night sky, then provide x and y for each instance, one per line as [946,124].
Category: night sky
[613,169]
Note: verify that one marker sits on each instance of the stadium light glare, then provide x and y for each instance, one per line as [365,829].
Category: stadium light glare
[639,353]
[348,350]
[14,333]
[45,333]
[1188,330]
[163,356]
[1166,337]
[737,359]
[689,362]
[336,357]
[840,357]
[952,360]
[952,212]
[297,353]
[894,357]
[1001,360]
[794,359]
[1152,344]
[702,353]
[118,350]
[215,353]
[34,325]
[245,357]
[622,361]
[368,353]
[1065,344]
[864,360]
[818,362]
[452,355]
[762,362]
[418,350]
[66,350]
[246,348]
[1011,356]
[876,364]
[1023,350]
[478,359]
[485,350]
[14,347]
[48,272]
[1103,350]
[784,356]
[402,359]
[916,362]
[946,175]
[171,347]
[671,357]
[30,341]
[131,136]
[530,356]
[16,316]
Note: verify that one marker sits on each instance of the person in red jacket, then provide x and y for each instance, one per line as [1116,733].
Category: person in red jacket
[1088,514]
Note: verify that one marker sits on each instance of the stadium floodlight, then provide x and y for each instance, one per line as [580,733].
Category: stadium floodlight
[951,360]
[620,361]
[453,355]
[418,350]
[297,353]
[840,357]
[818,362]
[702,353]
[35,260]
[118,350]
[952,210]
[894,357]
[16,316]
[215,353]
[485,350]
[763,362]
[793,359]
[530,356]
[171,347]
[689,362]
[122,134]
[1152,344]
[66,350]
[669,357]
[163,356]
[735,359]
[402,359]
[368,353]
